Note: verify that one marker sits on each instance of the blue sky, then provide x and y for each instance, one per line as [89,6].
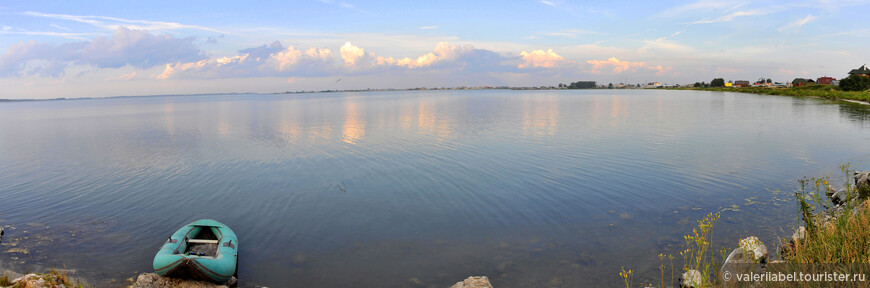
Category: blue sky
[51,49]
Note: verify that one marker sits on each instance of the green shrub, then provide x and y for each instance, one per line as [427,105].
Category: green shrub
[855,83]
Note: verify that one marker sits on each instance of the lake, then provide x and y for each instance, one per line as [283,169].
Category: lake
[416,188]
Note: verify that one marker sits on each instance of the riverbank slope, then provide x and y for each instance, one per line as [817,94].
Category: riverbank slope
[821,91]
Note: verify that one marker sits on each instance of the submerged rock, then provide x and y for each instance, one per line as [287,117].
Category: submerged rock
[152,280]
[473,282]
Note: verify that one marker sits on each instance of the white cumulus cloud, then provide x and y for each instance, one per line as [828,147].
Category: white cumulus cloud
[540,58]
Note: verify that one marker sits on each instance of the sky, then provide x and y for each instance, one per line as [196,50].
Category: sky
[72,49]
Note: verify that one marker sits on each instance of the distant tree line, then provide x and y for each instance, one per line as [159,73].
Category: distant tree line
[718,82]
[580,85]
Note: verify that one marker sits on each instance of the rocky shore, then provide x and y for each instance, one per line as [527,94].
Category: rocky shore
[752,256]
[151,280]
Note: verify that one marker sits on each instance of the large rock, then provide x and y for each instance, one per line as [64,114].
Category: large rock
[830,191]
[749,256]
[473,282]
[799,235]
[39,281]
[840,197]
[691,279]
[861,179]
[152,280]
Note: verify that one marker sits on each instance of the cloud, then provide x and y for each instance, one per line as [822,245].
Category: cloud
[661,70]
[59,27]
[732,16]
[78,36]
[122,77]
[114,23]
[429,27]
[664,45]
[351,54]
[704,5]
[616,66]
[540,58]
[798,23]
[727,70]
[266,60]
[548,3]
[571,33]
[340,4]
[443,52]
[275,60]
[136,48]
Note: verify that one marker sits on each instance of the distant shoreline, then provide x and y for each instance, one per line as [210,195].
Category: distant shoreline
[820,91]
[309,92]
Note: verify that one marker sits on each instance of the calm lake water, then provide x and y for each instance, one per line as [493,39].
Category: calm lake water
[412,189]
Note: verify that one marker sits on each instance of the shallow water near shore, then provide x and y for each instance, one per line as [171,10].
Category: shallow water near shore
[412,189]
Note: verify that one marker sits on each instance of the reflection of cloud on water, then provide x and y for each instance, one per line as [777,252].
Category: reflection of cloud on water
[323,131]
[289,131]
[224,128]
[169,109]
[428,120]
[541,116]
[617,109]
[354,127]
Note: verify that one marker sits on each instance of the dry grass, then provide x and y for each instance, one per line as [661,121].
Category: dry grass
[844,240]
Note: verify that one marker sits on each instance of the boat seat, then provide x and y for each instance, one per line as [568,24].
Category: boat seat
[202,241]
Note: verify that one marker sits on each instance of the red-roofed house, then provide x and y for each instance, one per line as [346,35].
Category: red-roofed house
[863,71]
[826,80]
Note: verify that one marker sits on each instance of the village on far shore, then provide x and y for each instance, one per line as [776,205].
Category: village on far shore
[761,82]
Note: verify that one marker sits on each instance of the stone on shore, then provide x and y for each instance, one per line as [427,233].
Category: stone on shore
[40,281]
[840,197]
[473,282]
[799,235]
[691,279]
[861,179]
[830,191]
[152,280]
[749,256]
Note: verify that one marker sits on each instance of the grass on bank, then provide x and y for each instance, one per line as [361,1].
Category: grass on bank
[812,90]
[845,239]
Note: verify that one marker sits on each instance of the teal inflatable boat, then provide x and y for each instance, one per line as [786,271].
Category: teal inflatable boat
[205,250]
